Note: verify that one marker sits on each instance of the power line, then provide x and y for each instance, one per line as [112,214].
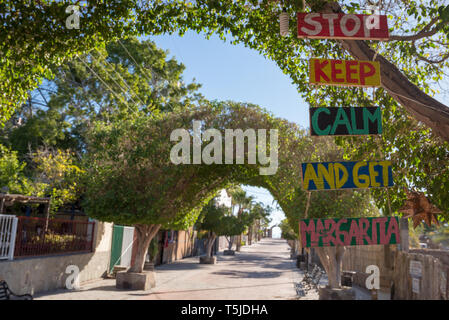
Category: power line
[135,62]
[157,72]
[120,87]
[138,66]
[124,81]
[107,86]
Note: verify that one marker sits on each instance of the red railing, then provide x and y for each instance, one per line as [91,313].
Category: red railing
[60,236]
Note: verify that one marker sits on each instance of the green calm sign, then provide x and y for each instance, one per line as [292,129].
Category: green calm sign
[345,121]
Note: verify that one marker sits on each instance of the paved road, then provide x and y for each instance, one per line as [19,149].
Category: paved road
[261,271]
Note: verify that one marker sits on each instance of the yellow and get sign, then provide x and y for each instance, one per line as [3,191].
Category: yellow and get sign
[346,175]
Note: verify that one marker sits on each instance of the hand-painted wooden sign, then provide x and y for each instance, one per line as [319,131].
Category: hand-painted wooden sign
[348,73]
[345,121]
[415,268]
[349,231]
[346,175]
[342,26]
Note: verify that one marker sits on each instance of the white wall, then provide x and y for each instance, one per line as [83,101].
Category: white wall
[224,199]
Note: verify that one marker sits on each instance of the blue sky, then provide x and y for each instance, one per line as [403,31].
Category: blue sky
[234,72]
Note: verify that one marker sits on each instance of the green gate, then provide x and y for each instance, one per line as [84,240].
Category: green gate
[116,248]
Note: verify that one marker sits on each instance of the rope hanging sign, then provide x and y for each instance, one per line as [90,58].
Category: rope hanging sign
[283,23]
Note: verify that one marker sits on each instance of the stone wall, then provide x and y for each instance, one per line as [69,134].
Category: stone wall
[39,274]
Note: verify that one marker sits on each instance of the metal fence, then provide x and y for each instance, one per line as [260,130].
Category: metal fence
[37,237]
[8,228]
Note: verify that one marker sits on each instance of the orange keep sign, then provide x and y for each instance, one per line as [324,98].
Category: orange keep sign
[344,72]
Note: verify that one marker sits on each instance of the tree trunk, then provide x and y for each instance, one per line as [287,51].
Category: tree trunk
[209,243]
[230,242]
[47,215]
[331,258]
[239,238]
[293,247]
[145,233]
[423,107]
[297,247]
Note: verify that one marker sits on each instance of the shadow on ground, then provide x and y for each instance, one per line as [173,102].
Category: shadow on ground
[249,274]
[218,288]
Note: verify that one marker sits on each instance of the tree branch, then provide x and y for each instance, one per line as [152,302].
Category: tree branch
[424,33]
[423,107]
[444,58]
[42,95]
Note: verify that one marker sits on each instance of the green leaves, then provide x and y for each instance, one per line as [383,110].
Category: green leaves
[50,174]
[34,38]
[123,79]
[286,231]
[444,13]
[212,219]
[12,174]
[130,178]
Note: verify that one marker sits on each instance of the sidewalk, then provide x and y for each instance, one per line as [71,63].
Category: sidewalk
[261,271]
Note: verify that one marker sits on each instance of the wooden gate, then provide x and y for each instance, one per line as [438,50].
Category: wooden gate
[419,277]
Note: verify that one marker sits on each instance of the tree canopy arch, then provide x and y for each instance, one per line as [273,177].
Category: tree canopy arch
[36,36]
[132,180]
[413,62]
[144,144]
